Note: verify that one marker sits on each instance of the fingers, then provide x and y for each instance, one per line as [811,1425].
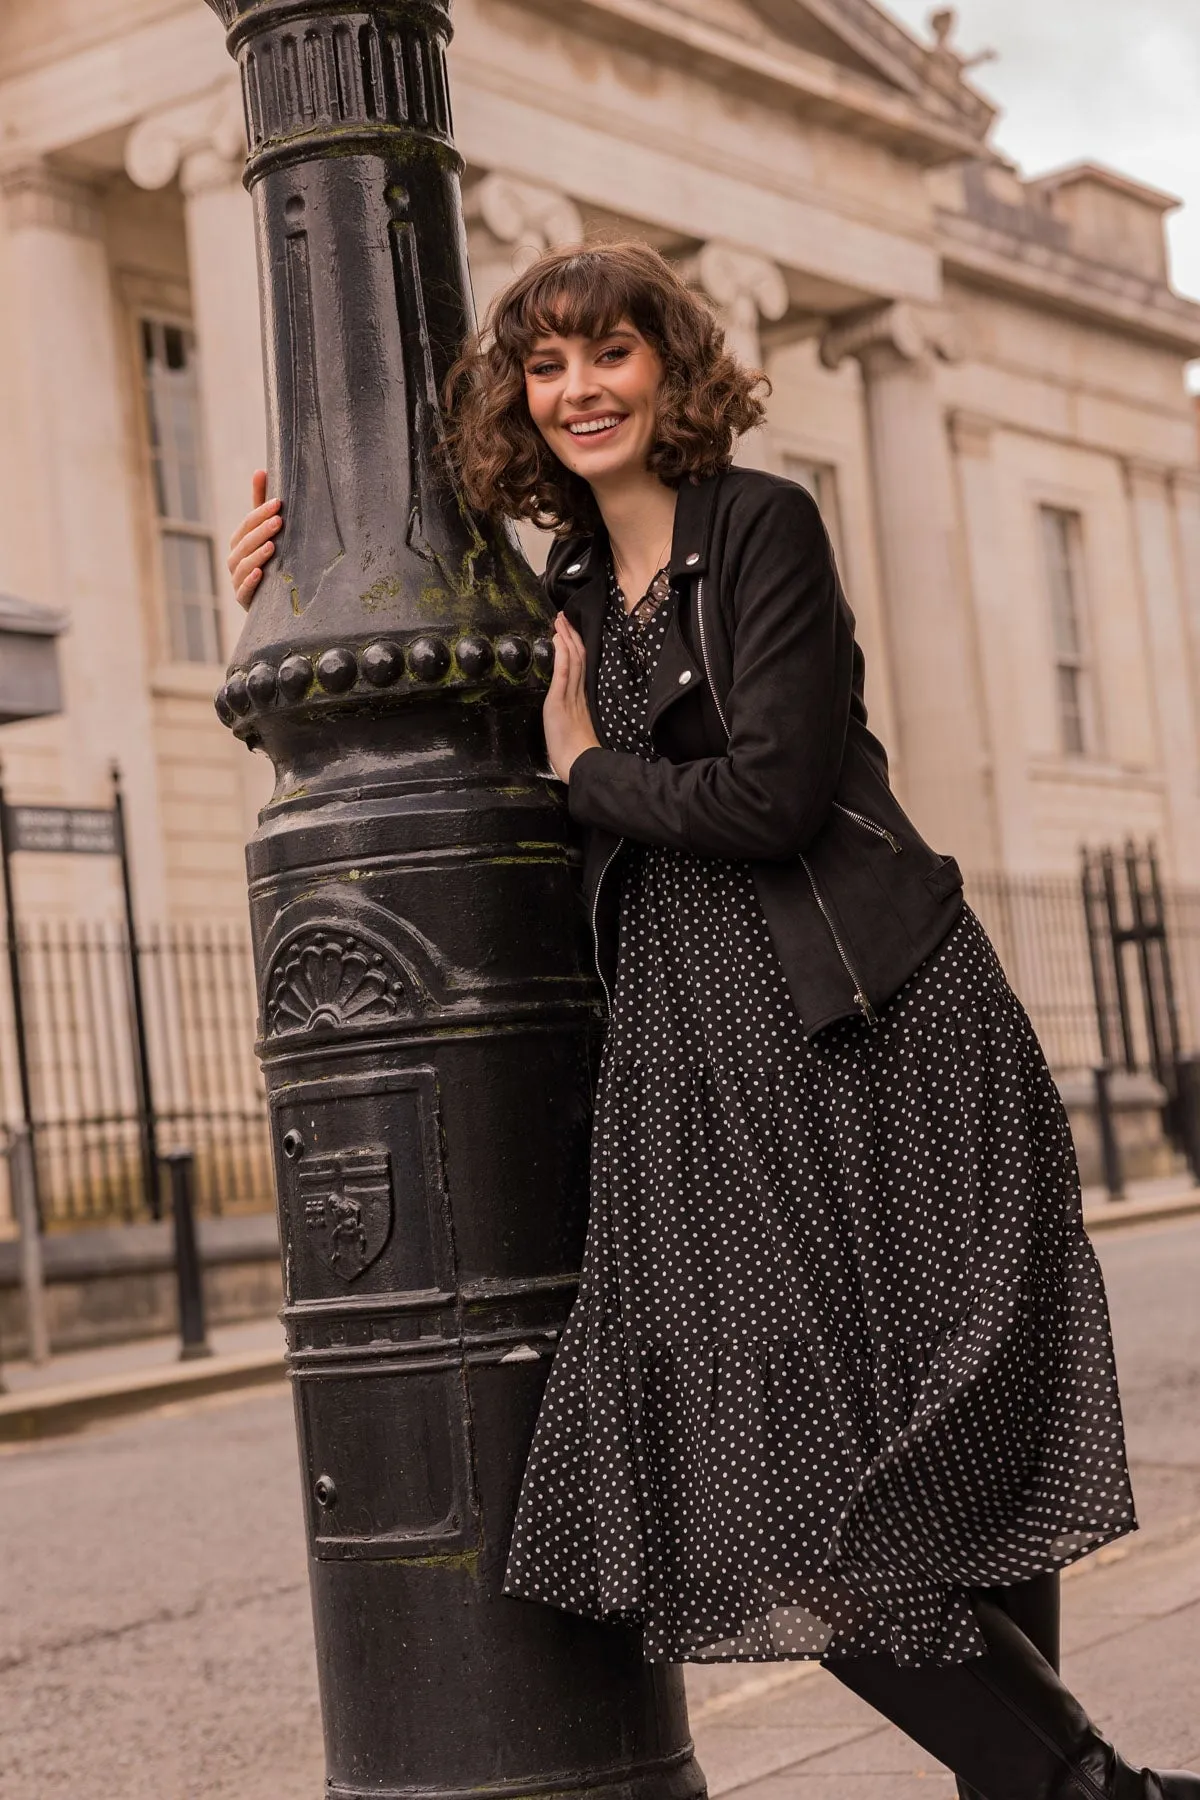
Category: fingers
[253,543]
[254,521]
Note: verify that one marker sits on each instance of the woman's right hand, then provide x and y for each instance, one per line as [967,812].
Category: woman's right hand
[253,543]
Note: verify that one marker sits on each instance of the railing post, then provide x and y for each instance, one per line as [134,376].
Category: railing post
[427,1001]
[189,1276]
[23,1188]
[1110,1148]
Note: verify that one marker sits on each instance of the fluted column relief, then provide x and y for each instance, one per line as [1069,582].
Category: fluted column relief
[72,531]
[940,703]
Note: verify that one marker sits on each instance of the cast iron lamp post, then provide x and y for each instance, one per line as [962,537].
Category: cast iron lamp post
[427,1012]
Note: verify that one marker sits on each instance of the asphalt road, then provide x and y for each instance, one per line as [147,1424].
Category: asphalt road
[154,1622]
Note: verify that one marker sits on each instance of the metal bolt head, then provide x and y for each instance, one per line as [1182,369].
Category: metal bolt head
[293,1145]
[325,1490]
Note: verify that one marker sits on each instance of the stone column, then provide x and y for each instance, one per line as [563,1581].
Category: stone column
[988,567]
[1148,486]
[510,221]
[76,517]
[746,289]
[939,695]
[202,141]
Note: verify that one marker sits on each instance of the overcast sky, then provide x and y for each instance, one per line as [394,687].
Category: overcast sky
[1094,80]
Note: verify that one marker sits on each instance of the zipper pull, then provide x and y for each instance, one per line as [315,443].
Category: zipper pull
[867,1010]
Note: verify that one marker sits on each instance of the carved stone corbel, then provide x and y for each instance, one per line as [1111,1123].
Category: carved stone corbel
[202,139]
[892,335]
[524,214]
[748,288]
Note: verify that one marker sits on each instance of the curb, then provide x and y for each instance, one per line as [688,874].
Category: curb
[53,1411]
[1111,1215]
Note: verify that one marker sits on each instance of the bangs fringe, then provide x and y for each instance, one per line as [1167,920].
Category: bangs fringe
[586,296]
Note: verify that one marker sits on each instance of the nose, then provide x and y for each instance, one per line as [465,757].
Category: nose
[581,386]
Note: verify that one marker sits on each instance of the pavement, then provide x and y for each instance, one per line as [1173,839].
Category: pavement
[156,1641]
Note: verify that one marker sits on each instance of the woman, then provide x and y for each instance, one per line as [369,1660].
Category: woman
[839,1381]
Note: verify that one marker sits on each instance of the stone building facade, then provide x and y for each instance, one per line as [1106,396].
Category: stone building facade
[981,376]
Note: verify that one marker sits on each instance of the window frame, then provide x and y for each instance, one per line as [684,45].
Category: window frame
[1066,587]
[149,312]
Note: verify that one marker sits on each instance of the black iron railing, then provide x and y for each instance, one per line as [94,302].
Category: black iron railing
[92,1055]
[1086,992]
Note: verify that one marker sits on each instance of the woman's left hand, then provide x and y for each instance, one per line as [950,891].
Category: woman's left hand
[565,715]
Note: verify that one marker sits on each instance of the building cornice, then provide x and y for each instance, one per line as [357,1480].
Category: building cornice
[923,126]
[1060,281]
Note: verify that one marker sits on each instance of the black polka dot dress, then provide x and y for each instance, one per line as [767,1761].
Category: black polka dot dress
[841,1350]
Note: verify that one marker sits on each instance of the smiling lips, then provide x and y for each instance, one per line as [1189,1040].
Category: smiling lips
[592,427]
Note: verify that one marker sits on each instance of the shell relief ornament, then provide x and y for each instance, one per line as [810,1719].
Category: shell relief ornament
[326,978]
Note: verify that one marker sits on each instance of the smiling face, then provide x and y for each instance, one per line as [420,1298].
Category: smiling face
[595,400]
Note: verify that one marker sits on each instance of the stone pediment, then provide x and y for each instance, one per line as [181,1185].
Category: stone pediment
[861,37]
[852,61]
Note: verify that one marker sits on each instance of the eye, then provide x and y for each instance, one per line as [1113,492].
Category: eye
[614,353]
[542,368]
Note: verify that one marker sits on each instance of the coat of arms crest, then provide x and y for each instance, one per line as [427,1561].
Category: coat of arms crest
[347,1201]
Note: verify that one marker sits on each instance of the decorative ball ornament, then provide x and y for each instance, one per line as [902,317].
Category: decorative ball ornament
[295,677]
[474,656]
[514,655]
[337,671]
[429,658]
[263,684]
[382,664]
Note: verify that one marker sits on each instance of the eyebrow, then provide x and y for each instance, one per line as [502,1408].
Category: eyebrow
[544,344]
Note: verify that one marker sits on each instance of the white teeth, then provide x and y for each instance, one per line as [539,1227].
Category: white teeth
[586,428]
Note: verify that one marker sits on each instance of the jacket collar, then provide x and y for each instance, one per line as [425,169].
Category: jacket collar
[581,574]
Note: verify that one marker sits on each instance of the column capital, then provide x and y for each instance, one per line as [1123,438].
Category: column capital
[894,335]
[37,194]
[1143,475]
[202,139]
[525,214]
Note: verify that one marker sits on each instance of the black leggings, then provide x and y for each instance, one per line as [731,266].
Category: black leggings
[1003,1723]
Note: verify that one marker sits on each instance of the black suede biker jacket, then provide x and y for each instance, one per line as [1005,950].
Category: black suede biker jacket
[762,750]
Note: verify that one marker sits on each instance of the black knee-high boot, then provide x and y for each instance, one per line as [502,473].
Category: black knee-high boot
[1035,1609]
[1005,1724]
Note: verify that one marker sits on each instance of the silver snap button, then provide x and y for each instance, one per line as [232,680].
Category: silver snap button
[574,568]
[685,677]
[693,559]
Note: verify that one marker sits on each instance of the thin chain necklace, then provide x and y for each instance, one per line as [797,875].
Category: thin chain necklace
[659,565]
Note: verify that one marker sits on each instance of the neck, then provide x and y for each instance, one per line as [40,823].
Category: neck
[639,516]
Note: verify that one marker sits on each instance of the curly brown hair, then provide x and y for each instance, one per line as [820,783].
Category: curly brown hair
[707,400]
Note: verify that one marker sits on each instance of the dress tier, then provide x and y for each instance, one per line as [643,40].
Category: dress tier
[841,1350]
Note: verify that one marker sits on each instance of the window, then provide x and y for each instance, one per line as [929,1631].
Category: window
[821,482]
[177,453]
[1062,539]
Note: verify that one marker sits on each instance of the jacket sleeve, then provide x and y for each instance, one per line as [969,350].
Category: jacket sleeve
[787,711]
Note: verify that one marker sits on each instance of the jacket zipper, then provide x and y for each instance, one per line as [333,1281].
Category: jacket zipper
[860,998]
[595,909]
[712,688]
[880,831]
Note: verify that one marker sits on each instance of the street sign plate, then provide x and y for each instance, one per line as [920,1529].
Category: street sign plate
[64,830]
